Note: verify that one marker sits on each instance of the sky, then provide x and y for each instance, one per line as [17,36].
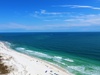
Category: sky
[49,15]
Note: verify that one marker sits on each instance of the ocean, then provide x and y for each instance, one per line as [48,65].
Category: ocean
[77,52]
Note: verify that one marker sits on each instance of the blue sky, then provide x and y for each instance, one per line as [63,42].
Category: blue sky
[49,15]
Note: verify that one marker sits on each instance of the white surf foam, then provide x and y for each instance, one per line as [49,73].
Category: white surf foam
[8,43]
[30,51]
[69,60]
[42,55]
[86,70]
[57,59]
[38,54]
[63,63]
[20,48]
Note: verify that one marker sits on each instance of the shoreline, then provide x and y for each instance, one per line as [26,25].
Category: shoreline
[27,65]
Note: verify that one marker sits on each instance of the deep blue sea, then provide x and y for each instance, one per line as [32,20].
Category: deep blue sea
[77,52]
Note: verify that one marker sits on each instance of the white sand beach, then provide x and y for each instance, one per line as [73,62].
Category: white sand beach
[21,64]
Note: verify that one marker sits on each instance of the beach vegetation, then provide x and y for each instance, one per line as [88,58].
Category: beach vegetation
[3,68]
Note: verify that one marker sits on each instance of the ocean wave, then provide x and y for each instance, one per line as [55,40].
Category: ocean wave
[8,43]
[69,60]
[31,52]
[87,70]
[40,54]
[20,48]
[63,63]
[57,59]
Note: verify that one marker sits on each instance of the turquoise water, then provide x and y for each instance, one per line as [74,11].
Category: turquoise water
[79,53]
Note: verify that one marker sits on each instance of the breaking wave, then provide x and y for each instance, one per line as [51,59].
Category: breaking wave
[86,70]
[69,60]
[20,48]
[38,54]
[57,59]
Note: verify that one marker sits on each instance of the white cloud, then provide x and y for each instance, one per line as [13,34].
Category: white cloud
[44,27]
[84,20]
[75,21]
[14,26]
[79,6]
[50,13]
[52,20]
[79,20]
[46,14]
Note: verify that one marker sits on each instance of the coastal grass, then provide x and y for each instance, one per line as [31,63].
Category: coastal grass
[3,68]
